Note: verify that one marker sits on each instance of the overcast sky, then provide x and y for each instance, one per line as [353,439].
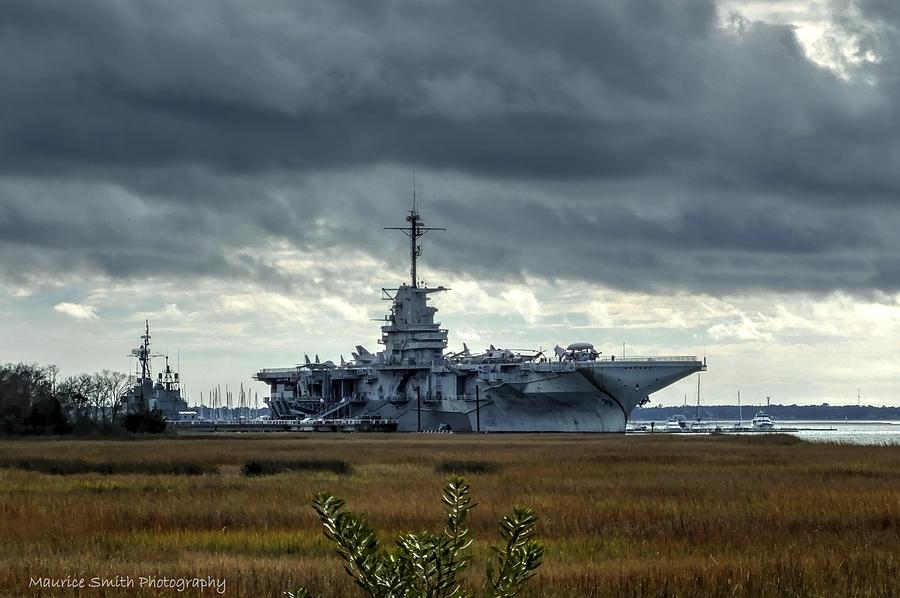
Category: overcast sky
[684,177]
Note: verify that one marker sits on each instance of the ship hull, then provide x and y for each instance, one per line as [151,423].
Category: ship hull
[506,409]
[547,397]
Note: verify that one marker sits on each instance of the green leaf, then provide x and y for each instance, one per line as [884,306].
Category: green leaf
[427,565]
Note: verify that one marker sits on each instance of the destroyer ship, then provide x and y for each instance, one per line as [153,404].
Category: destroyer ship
[163,395]
[414,381]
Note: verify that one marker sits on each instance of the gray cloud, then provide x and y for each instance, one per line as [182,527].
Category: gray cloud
[637,144]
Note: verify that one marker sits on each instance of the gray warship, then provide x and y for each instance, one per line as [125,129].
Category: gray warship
[164,394]
[414,381]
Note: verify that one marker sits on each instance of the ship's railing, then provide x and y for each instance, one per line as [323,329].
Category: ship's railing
[346,421]
[651,358]
[284,422]
[568,366]
[445,397]
[269,371]
[544,366]
[427,397]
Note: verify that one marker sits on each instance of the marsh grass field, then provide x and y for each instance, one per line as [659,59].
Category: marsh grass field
[620,516]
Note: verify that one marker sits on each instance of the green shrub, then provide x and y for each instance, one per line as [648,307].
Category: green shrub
[270,467]
[461,467]
[427,564]
[147,422]
[75,467]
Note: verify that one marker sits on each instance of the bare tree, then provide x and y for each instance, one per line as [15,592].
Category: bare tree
[112,386]
[74,394]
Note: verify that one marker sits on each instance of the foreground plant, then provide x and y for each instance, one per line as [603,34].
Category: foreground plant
[427,565]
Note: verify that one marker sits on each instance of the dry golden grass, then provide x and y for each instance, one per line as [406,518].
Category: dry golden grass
[620,516]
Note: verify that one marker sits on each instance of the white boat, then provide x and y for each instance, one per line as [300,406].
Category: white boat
[761,421]
[676,423]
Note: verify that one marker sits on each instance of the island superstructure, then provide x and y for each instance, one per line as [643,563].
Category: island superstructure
[413,380]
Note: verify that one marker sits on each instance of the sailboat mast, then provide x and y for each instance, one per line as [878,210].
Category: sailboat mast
[698,397]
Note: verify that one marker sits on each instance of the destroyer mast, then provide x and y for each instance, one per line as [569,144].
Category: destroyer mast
[145,382]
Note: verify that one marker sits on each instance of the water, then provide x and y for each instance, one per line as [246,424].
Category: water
[848,432]
[842,431]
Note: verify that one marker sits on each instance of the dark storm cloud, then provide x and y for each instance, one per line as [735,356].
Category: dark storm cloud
[523,89]
[710,244]
[76,227]
[658,150]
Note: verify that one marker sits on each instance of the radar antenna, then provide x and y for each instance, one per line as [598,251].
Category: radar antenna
[414,231]
[144,356]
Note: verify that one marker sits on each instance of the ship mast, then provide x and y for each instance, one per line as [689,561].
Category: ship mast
[144,356]
[144,351]
[414,231]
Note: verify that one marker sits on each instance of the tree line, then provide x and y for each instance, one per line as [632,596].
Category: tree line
[36,400]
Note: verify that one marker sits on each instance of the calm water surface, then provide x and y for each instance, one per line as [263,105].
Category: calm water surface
[849,432]
[837,431]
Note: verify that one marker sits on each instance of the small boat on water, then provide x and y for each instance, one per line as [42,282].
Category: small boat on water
[676,423]
[762,421]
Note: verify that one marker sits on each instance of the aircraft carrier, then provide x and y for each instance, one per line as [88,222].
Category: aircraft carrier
[414,381]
